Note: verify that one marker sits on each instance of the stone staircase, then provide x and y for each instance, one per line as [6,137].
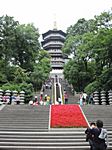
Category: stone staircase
[72,99]
[100,112]
[60,140]
[24,117]
[24,127]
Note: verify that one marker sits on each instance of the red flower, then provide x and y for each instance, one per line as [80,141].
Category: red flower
[67,116]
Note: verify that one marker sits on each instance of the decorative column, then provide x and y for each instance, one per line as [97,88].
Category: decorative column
[15,93]
[22,97]
[96,98]
[1,94]
[110,97]
[7,94]
[103,97]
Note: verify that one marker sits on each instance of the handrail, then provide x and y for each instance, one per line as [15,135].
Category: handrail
[62,93]
[57,83]
[60,89]
[53,98]
[55,90]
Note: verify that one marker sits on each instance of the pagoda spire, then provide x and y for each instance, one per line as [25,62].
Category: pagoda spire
[55,23]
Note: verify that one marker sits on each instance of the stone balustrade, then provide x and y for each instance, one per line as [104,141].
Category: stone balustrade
[1,94]
[110,97]
[102,97]
[96,97]
[12,97]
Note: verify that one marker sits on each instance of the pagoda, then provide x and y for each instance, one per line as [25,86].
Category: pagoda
[53,41]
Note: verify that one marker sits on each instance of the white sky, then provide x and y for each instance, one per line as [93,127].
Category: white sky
[42,12]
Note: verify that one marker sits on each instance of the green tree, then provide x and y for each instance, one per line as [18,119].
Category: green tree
[20,75]
[76,75]
[90,43]
[7,37]
[7,41]
[26,46]
[41,70]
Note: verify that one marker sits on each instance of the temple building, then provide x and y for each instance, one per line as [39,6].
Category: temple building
[53,40]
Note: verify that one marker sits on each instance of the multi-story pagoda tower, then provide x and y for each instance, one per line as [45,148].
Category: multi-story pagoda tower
[53,40]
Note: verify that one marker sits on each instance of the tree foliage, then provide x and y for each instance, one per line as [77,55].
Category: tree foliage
[22,61]
[41,70]
[26,46]
[90,43]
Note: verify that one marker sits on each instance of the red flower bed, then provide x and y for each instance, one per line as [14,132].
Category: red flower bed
[67,116]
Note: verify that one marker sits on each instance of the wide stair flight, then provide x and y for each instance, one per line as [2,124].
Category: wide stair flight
[24,127]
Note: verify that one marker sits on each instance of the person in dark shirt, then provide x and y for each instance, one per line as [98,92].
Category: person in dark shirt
[88,133]
[98,143]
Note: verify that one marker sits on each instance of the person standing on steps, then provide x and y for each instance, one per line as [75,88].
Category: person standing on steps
[89,137]
[66,97]
[99,136]
[84,97]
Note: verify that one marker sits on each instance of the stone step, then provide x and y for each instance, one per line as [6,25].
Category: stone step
[33,132]
[41,129]
[24,120]
[45,148]
[67,129]
[45,136]
[25,115]
[27,130]
[21,123]
[37,140]
[47,143]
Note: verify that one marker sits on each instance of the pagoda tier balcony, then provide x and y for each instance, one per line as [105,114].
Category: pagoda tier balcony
[55,43]
[56,55]
[56,40]
[56,65]
[51,46]
[55,51]
[57,60]
[55,36]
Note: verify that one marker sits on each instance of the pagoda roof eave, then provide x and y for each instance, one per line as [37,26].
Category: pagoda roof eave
[53,31]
